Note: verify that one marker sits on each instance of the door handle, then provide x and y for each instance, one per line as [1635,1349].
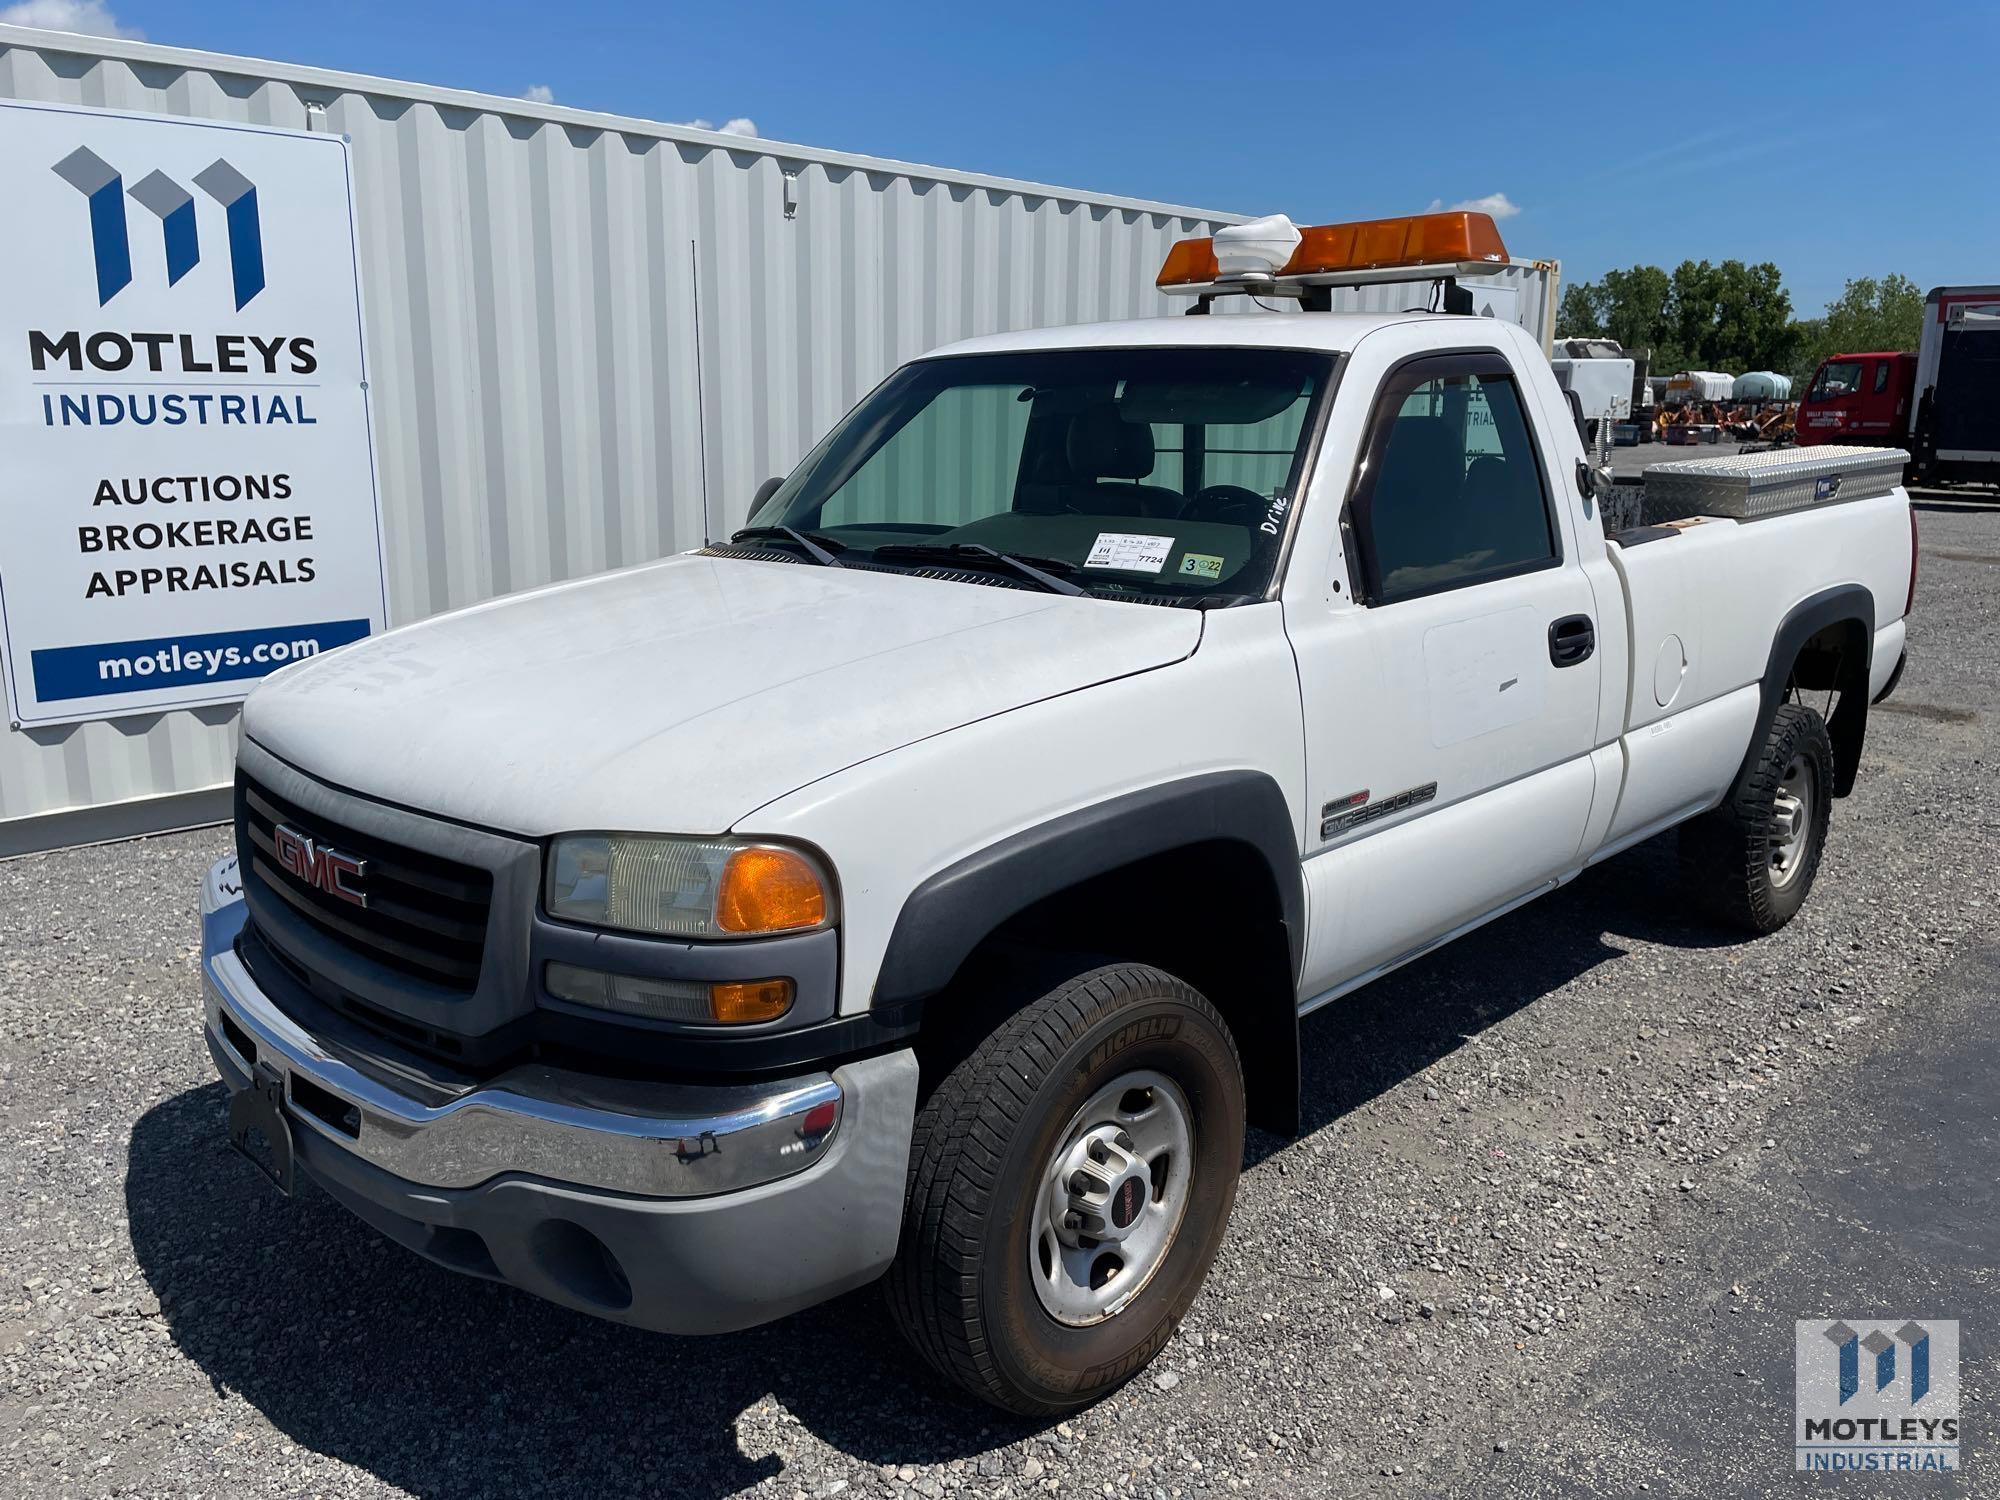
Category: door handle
[1571,640]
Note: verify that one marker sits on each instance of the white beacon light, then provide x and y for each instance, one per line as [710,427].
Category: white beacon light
[1256,251]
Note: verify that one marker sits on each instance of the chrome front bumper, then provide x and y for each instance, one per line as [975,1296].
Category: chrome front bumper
[619,1135]
[714,1207]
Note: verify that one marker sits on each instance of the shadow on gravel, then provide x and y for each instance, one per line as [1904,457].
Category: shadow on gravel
[1366,1043]
[445,1386]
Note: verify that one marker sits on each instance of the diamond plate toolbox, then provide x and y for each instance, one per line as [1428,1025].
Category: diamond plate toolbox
[1753,486]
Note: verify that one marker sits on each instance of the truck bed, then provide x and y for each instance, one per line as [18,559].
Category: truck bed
[1724,550]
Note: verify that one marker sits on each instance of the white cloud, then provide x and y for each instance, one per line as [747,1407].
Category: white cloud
[741,125]
[539,93]
[90,17]
[1499,205]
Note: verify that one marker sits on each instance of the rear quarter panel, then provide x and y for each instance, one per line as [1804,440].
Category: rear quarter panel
[1721,588]
[1704,608]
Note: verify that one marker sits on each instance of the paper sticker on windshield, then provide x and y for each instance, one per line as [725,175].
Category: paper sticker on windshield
[1201,565]
[1129,550]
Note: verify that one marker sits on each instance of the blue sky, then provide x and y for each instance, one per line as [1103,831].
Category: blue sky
[1837,140]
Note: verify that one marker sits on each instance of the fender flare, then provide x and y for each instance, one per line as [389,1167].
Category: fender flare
[947,916]
[1835,606]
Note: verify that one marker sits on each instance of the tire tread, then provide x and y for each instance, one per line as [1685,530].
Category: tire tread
[1724,853]
[962,1135]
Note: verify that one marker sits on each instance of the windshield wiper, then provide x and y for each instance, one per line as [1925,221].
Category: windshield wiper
[820,549]
[976,555]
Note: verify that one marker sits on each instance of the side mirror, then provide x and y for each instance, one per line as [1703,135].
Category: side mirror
[1594,482]
[765,491]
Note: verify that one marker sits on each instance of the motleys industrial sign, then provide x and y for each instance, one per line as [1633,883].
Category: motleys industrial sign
[188,500]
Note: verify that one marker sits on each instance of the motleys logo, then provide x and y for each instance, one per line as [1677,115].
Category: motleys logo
[103,189]
[1877,1394]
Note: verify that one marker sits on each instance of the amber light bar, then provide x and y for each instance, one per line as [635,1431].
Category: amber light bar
[1449,241]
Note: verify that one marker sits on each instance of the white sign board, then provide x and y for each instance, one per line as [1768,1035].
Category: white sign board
[187,498]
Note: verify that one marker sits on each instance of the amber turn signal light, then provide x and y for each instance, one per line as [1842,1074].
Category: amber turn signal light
[769,889]
[741,1002]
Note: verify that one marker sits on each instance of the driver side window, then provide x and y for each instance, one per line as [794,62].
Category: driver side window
[1452,492]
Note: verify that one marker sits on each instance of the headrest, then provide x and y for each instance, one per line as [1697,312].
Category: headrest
[1103,445]
[1422,457]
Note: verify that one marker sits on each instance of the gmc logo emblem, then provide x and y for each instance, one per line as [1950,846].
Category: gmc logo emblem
[321,868]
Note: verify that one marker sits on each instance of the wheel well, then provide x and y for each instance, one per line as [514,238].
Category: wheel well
[1835,660]
[1208,913]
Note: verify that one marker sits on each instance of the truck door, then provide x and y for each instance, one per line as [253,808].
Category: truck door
[1450,719]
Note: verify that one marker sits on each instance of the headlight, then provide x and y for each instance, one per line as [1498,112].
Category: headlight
[685,888]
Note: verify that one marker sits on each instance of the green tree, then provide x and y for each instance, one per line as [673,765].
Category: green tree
[1753,318]
[1730,316]
[1868,316]
[1582,311]
[1635,303]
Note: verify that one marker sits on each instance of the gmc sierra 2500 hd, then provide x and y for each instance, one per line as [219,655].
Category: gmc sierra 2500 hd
[929,880]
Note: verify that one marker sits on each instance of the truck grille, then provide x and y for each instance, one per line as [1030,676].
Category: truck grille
[424,916]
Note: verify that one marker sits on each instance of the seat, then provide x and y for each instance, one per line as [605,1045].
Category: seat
[1501,512]
[1420,475]
[1104,449]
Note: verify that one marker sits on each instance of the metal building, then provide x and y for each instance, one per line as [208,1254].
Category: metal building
[591,338]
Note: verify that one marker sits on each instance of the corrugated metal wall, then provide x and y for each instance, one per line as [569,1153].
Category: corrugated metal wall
[589,338]
[1524,292]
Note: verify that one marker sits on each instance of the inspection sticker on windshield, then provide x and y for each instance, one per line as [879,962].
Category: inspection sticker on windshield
[1129,550]
[1201,565]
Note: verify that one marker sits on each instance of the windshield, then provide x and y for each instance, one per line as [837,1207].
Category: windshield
[1153,474]
[1835,378]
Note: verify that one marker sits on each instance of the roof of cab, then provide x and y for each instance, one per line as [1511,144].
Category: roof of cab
[1330,331]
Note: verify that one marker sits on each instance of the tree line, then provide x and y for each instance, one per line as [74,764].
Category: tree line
[1736,317]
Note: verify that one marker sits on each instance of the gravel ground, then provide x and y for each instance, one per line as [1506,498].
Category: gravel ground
[1531,1158]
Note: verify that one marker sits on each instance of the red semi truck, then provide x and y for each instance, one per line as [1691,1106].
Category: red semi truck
[1941,403]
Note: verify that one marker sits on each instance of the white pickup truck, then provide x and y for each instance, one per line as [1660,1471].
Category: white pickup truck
[929,881]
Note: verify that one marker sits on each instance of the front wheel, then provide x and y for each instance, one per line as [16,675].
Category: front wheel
[1069,1184]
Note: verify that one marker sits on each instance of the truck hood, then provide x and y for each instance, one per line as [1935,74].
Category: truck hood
[681,695]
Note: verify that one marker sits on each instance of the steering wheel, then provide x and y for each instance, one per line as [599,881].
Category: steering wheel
[1229,504]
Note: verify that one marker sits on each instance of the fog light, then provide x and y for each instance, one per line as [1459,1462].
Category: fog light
[734,1002]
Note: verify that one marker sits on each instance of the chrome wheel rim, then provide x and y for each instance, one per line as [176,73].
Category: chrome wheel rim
[1791,821]
[1111,1198]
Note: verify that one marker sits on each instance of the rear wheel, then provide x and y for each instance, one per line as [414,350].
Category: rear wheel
[1753,860]
[1069,1184]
